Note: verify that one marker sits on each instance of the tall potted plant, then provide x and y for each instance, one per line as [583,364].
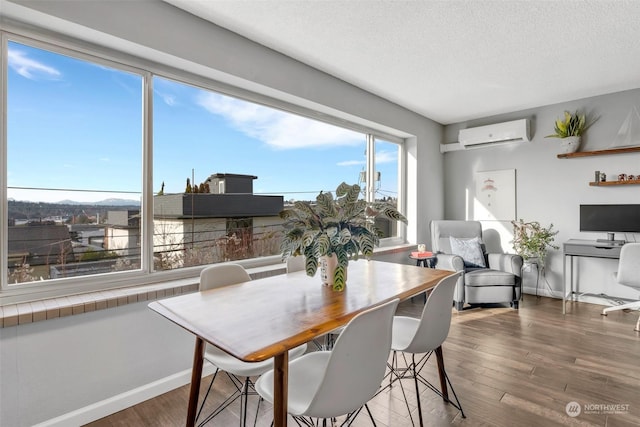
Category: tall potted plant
[532,241]
[334,230]
[570,129]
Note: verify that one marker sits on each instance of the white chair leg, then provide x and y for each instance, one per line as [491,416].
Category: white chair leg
[630,306]
[637,328]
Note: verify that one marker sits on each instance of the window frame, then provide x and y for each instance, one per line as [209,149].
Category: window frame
[115,59]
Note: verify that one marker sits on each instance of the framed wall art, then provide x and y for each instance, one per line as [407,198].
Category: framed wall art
[495,197]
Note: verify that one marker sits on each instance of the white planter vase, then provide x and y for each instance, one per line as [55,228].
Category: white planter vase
[328,265]
[570,144]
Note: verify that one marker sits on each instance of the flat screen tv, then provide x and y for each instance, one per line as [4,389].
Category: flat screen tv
[610,218]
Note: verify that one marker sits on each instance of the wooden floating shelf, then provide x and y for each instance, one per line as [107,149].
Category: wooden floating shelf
[606,183]
[599,152]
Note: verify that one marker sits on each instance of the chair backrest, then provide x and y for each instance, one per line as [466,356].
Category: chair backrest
[219,275]
[295,263]
[629,265]
[357,363]
[436,317]
[441,230]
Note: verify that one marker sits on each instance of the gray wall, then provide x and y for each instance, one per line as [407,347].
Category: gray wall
[548,189]
[51,368]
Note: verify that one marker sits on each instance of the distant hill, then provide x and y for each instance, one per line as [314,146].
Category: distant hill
[19,210]
[105,202]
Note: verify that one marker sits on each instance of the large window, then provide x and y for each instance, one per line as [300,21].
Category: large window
[83,197]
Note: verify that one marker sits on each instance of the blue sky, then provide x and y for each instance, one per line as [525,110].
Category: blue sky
[77,125]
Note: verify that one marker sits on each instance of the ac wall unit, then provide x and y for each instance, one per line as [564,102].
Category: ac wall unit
[516,130]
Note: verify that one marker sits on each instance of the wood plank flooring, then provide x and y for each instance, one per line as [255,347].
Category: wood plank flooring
[509,368]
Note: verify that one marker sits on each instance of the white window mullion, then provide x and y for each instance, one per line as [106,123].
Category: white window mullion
[4,242]
[146,255]
[370,195]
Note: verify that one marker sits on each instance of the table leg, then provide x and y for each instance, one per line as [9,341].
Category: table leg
[280,389]
[196,377]
[441,373]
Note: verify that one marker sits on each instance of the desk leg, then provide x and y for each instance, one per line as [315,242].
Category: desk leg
[441,373]
[564,284]
[280,389]
[571,294]
[567,278]
[196,377]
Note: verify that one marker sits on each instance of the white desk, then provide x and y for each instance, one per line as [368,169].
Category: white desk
[583,248]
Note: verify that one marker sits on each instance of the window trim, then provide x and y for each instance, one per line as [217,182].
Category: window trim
[58,43]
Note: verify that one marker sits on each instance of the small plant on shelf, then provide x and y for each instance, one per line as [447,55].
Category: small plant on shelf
[573,124]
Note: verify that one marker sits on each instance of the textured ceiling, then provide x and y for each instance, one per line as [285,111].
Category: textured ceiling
[454,60]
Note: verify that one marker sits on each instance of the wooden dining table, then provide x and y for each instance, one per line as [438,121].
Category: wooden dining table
[264,318]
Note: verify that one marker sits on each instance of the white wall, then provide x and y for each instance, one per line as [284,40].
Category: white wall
[52,368]
[550,190]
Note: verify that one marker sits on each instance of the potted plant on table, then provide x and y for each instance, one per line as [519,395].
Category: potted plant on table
[334,230]
[570,130]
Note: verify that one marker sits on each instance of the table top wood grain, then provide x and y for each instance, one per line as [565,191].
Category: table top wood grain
[262,318]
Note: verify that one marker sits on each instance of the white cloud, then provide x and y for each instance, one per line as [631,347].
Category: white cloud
[384,156]
[168,99]
[165,90]
[351,163]
[276,128]
[30,68]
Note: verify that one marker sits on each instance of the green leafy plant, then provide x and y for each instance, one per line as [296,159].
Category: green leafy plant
[572,125]
[531,240]
[344,226]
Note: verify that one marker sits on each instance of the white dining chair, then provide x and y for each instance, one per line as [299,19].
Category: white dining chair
[629,275]
[295,263]
[329,384]
[423,335]
[238,371]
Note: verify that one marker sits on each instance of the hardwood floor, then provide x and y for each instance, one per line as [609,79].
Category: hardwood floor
[509,368]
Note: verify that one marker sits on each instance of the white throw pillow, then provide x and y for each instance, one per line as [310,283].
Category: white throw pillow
[469,249]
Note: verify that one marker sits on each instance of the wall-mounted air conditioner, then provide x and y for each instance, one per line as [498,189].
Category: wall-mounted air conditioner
[516,130]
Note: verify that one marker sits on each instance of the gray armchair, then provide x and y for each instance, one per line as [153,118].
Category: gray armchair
[497,281]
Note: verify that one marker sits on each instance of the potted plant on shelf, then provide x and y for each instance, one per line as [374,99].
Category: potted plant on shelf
[334,230]
[570,130]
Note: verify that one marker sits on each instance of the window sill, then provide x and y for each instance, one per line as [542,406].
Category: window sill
[46,309]
[51,308]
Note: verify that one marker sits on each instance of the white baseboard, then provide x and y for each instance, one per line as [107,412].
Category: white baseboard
[542,291]
[124,400]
